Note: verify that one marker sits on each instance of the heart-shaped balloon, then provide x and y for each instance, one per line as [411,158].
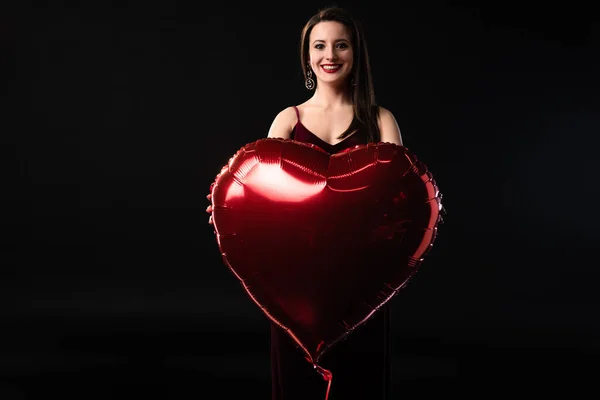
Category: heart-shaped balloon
[320,242]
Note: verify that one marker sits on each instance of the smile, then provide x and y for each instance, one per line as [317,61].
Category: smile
[331,68]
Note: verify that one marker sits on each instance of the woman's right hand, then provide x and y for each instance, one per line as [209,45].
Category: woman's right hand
[209,210]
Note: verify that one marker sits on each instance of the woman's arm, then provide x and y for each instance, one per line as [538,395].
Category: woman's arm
[388,127]
[283,124]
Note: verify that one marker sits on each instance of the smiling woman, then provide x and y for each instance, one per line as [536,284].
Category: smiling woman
[330,52]
[340,114]
[335,62]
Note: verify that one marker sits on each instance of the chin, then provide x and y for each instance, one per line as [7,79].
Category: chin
[338,81]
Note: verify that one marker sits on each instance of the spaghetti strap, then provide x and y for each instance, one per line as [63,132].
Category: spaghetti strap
[297,113]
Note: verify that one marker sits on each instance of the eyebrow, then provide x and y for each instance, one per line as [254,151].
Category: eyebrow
[337,40]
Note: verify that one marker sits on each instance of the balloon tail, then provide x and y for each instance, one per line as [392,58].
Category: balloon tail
[326,374]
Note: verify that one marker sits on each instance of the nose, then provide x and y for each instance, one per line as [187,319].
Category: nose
[330,55]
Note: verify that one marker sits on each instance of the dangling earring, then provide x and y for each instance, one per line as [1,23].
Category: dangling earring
[352,83]
[310,83]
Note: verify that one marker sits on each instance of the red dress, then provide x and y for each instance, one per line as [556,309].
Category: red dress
[360,364]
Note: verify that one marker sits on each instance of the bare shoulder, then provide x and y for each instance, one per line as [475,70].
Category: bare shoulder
[388,127]
[384,112]
[283,123]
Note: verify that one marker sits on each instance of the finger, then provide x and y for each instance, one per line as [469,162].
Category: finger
[209,209]
[209,196]
[210,220]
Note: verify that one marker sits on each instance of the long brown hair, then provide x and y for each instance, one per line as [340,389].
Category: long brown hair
[366,112]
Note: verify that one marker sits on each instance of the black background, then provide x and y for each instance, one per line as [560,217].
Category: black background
[116,117]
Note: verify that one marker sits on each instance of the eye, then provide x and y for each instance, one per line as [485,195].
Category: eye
[319,46]
[342,45]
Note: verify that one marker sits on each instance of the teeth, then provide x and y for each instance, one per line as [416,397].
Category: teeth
[331,67]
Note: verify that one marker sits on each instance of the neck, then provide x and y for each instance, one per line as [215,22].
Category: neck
[330,96]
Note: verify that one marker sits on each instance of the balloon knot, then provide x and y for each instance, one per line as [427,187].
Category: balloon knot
[326,374]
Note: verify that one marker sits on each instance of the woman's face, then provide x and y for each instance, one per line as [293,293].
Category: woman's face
[330,52]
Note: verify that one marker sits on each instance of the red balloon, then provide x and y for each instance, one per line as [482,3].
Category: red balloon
[320,242]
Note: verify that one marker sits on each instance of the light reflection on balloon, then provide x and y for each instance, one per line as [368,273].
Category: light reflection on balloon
[275,184]
[235,191]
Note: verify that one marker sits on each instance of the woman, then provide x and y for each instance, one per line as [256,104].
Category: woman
[340,114]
